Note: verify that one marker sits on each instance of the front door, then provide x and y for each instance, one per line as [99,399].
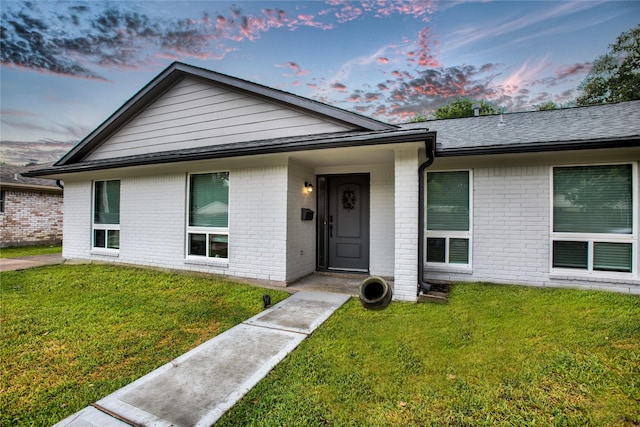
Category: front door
[347,222]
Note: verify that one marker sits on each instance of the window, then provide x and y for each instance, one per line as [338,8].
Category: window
[208,224]
[448,225]
[106,214]
[593,218]
[2,199]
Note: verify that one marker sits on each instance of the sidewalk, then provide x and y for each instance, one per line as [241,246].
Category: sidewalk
[197,388]
[22,263]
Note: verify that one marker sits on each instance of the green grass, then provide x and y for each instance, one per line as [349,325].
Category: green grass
[71,335]
[495,355]
[16,252]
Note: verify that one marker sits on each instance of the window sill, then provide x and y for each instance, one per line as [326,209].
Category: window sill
[618,279]
[212,262]
[447,269]
[105,252]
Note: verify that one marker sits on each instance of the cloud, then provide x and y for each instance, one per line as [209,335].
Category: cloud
[405,95]
[42,125]
[349,10]
[567,71]
[308,21]
[526,74]
[425,42]
[78,39]
[508,25]
[20,153]
[340,87]
[297,69]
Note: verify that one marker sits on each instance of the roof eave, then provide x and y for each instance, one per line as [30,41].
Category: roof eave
[233,150]
[540,147]
[34,187]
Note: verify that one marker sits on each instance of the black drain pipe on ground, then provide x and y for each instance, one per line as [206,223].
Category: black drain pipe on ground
[430,146]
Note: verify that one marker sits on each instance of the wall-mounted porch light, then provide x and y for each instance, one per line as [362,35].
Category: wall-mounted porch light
[308,187]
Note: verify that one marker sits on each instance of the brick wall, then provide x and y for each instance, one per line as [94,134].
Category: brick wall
[30,218]
[153,223]
[406,225]
[381,262]
[510,227]
[77,220]
[511,233]
[301,235]
[511,224]
[258,222]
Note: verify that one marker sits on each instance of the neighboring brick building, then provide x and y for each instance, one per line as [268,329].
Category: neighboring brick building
[30,208]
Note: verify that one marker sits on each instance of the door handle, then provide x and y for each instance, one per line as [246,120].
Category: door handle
[330,225]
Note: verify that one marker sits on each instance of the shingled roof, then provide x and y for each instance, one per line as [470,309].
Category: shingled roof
[598,126]
[12,177]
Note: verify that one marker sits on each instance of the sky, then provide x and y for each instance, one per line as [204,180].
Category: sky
[67,66]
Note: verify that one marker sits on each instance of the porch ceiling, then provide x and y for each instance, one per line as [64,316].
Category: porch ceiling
[352,156]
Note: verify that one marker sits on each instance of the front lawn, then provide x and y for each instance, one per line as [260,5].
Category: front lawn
[495,355]
[20,251]
[72,334]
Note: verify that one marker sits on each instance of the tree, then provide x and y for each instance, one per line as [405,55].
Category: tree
[614,76]
[463,107]
[546,106]
[419,118]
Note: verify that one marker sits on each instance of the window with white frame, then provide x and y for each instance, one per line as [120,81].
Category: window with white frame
[106,214]
[447,218]
[208,211]
[594,218]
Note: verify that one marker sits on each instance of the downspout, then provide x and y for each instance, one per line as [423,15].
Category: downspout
[430,147]
[59,183]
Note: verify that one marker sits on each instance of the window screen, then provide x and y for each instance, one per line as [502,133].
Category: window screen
[107,202]
[448,201]
[592,199]
[209,200]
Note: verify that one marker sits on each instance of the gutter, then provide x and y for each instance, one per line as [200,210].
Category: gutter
[33,187]
[542,147]
[430,147]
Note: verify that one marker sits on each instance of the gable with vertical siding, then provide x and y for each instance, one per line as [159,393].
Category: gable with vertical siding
[195,113]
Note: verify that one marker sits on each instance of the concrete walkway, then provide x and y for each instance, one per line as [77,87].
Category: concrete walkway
[196,389]
[22,263]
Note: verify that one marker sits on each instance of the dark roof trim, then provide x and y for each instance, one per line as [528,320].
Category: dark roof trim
[273,146]
[31,187]
[175,72]
[539,147]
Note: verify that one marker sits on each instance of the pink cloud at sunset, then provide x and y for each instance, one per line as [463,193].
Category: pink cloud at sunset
[297,70]
[69,65]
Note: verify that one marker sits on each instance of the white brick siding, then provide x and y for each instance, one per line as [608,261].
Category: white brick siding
[406,225]
[382,219]
[269,241]
[511,233]
[257,222]
[301,235]
[77,220]
[511,224]
[153,220]
[153,223]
